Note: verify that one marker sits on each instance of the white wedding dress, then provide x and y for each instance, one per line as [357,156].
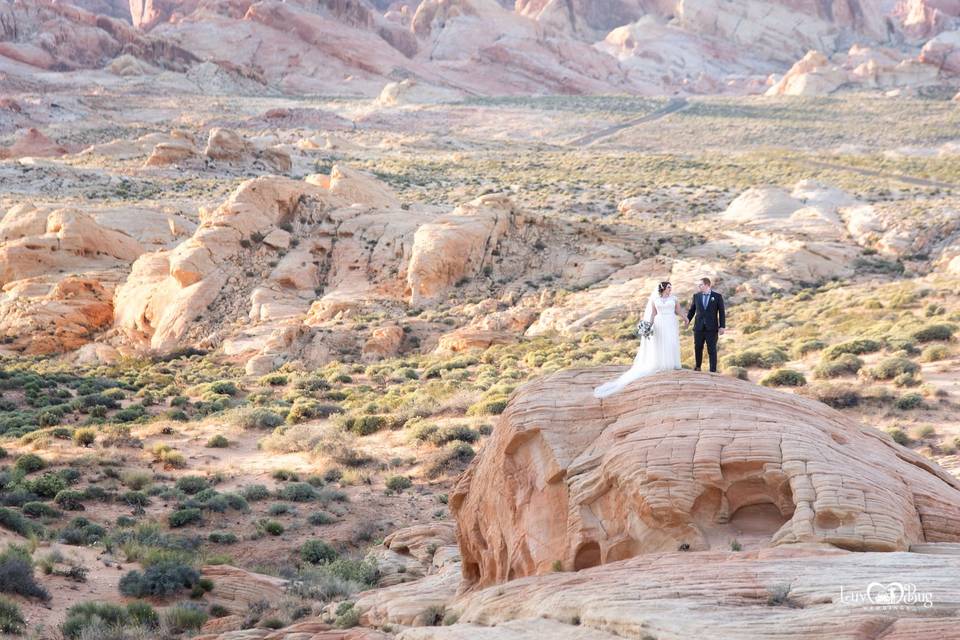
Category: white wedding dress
[659,352]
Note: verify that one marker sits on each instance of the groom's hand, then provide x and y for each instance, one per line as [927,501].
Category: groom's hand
[722,330]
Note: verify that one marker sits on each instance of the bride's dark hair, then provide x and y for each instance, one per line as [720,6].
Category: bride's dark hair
[662,287]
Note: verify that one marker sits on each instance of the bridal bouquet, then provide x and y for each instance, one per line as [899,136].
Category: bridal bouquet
[645,329]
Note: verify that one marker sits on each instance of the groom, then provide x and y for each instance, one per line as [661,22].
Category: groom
[707,306]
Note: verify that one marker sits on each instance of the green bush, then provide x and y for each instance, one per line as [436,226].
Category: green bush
[396,484]
[184,617]
[489,407]
[933,332]
[183,517]
[224,387]
[16,574]
[856,347]
[191,485]
[255,492]
[29,462]
[93,616]
[935,353]
[273,379]
[11,620]
[909,401]
[48,485]
[890,368]
[803,347]
[84,437]
[364,425]
[838,396]
[783,378]
[161,579]
[846,364]
[218,441]
[762,358]
[259,418]
[321,518]
[297,492]
[739,373]
[219,537]
[272,527]
[70,500]
[900,436]
[316,551]
[39,510]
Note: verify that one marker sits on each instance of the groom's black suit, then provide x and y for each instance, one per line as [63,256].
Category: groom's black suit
[707,321]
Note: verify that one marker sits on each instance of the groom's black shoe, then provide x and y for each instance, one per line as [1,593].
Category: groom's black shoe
[696,368]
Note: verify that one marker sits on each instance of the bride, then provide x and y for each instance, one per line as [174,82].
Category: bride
[659,352]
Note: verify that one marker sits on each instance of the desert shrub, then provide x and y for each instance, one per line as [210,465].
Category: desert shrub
[218,441]
[321,518]
[272,527]
[316,551]
[934,353]
[890,368]
[909,401]
[803,347]
[220,537]
[48,485]
[39,510]
[364,425]
[487,407]
[457,453]
[161,579]
[136,480]
[173,459]
[348,616]
[258,418]
[933,332]
[135,498]
[740,373]
[183,517]
[783,378]
[844,365]
[82,532]
[273,379]
[856,347]
[13,521]
[279,509]
[84,437]
[87,617]
[298,492]
[223,387]
[191,485]
[184,617]
[762,358]
[838,396]
[70,500]
[307,409]
[16,574]
[11,619]
[255,492]
[454,433]
[396,484]
[29,462]
[130,414]
[900,436]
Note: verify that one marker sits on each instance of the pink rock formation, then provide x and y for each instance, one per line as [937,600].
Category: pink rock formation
[34,144]
[237,589]
[684,460]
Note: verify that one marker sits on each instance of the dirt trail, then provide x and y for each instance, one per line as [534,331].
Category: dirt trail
[675,104]
[923,182]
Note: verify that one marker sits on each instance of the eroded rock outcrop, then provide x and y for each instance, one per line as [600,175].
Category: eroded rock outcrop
[681,460]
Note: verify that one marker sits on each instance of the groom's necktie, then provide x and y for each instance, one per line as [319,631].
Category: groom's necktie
[704,299]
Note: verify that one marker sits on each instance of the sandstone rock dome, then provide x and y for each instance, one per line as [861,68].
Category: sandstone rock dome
[683,460]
